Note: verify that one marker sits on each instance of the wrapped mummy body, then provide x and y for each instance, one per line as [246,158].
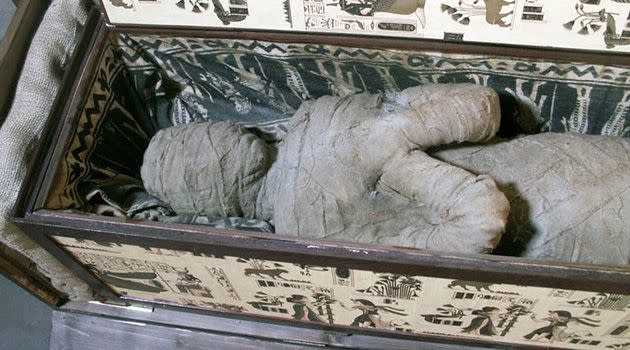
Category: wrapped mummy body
[350,168]
[354,169]
[568,194]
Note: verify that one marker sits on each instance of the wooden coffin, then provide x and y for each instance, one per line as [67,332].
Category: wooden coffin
[393,292]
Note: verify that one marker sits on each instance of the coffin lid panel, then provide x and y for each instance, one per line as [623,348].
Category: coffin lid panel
[594,25]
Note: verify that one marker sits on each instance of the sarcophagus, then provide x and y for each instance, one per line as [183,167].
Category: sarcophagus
[144,66]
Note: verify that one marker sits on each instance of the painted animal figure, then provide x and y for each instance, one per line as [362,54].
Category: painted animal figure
[493,12]
[370,7]
[491,9]
[270,273]
[473,284]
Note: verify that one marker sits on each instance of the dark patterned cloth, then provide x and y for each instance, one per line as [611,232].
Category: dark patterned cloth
[146,83]
[256,82]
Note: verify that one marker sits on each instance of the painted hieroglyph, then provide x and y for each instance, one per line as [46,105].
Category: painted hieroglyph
[574,24]
[360,298]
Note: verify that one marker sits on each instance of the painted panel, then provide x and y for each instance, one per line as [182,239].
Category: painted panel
[360,298]
[575,24]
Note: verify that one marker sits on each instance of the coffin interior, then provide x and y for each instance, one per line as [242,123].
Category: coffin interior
[146,83]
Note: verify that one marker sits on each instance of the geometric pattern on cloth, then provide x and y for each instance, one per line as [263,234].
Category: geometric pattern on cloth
[256,82]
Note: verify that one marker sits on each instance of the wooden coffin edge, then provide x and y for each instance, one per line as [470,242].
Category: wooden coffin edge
[223,320]
[21,271]
[385,42]
[291,332]
[213,241]
[14,265]
[70,98]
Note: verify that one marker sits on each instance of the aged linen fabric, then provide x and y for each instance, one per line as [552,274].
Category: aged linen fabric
[333,177]
[43,70]
[567,194]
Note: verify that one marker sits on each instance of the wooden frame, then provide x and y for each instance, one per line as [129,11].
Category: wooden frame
[343,333]
[485,268]
[178,322]
[41,224]
[20,270]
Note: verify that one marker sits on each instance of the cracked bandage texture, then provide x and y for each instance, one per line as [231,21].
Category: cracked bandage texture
[350,168]
[568,194]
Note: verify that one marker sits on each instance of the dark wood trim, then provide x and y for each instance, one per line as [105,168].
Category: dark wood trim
[23,272]
[101,291]
[411,44]
[80,79]
[210,241]
[14,47]
[70,98]
[37,287]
